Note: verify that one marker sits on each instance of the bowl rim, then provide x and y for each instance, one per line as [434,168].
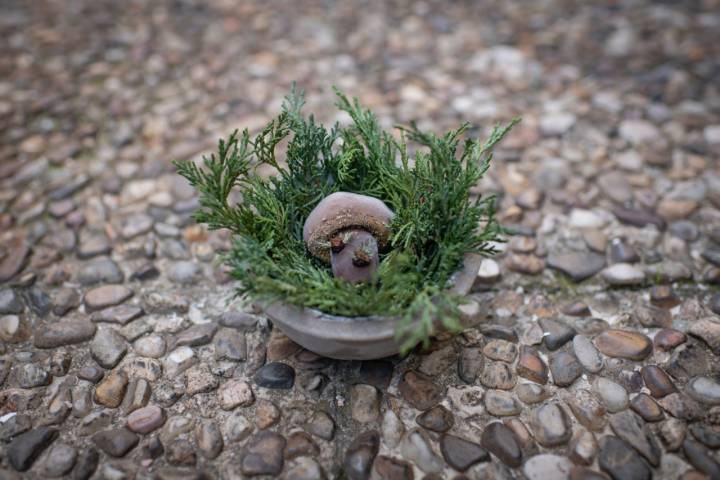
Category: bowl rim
[375,327]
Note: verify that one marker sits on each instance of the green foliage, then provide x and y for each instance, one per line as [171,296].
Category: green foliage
[437,220]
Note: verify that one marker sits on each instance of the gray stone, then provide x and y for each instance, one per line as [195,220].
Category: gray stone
[704,390]
[196,335]
[547,466]
[32,375]
[470,363]
[263,455]
[26,447]
[392,428]
[180,452]
[416,447]
[121,314]
[708,330]
[613,395]
[13,329]
[209,439]
[106,296]
[179,360]
[10,302]
[275,375]
[556,334]
[64,300]
[93,244]
[237,427]
[151,346]
[13,426]
[501,403]
[136,224]
[59,460]
[64,333]
[633,429]
[115,443]
[623,274]
[621,461]
[531,393]
[87,462]
[460,453]
[184,272]
[108,348]
[321,425]
[701,459]
[577,265]
[305,468]
[550,425]
[583,447]
[501,442]
[100,270]
[587,354]
[682,406]
[230,344]
[565,368]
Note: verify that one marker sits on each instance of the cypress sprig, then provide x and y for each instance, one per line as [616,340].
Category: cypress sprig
[437,219]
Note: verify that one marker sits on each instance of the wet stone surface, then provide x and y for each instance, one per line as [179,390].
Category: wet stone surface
[592,337]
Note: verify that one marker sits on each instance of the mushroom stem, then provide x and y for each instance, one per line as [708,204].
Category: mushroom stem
[358,260]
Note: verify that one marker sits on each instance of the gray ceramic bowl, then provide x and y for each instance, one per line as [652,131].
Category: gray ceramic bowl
[353,338]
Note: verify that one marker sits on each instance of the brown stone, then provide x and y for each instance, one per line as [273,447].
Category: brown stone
[106,296]
[657,381]
[437,419]
[146,419]
[111,390]
[647,408]
[13,263]
[300,444]
[624,344]
[419,390]
[460,453]
[263,455]
[667,339]
[531,366]
[588,410]
[500,441]
[389,468]
[498,375]
[664,297]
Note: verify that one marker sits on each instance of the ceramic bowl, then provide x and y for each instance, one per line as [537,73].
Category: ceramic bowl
[353,338]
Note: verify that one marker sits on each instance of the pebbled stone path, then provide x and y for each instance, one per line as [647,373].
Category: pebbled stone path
[592,343]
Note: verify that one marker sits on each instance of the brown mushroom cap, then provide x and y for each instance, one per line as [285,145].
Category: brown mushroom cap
[341,211]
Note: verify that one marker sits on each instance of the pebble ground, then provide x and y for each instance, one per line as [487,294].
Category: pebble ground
[593,338]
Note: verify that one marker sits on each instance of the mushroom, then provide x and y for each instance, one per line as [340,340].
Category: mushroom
[347,230]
